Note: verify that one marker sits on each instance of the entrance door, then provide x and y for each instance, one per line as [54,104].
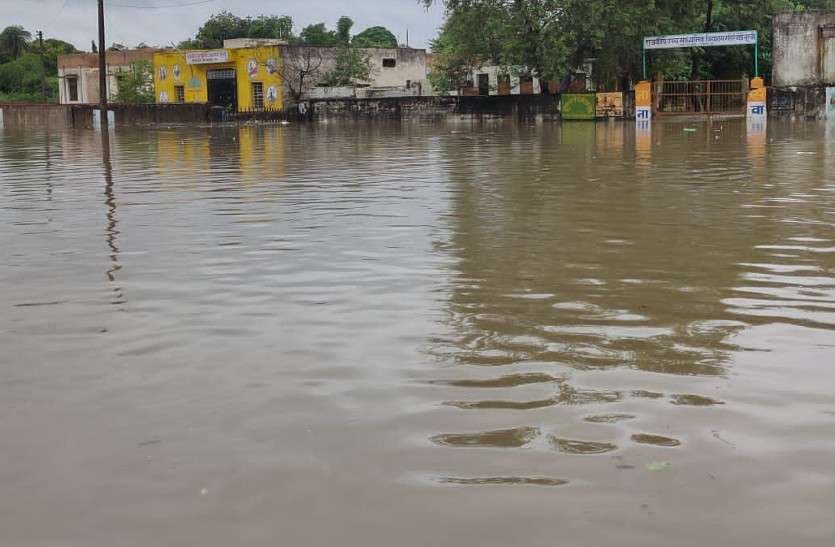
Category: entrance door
[483,84]
[223,88]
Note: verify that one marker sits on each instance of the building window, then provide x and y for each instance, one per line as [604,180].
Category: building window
[72,88]
[257,95]
[389,63]
[180,93]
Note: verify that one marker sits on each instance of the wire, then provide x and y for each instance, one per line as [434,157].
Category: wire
[163,6]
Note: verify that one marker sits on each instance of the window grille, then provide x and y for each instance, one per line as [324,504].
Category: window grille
[257,95]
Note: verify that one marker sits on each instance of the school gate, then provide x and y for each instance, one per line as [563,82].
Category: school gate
[702,97]
[706,97]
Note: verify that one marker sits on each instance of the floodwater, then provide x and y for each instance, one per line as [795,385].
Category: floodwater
[410,334]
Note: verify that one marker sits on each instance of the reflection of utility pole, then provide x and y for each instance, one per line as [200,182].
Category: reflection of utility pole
[102,68]
[112,228]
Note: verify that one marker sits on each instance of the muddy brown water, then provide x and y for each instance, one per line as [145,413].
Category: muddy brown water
[418,334]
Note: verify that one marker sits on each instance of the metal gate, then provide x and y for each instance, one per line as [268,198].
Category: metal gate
[701,97]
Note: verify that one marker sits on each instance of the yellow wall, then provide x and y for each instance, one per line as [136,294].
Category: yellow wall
[193,77]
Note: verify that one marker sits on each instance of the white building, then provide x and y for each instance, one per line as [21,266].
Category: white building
[494,80]
[394,72]
[78,73]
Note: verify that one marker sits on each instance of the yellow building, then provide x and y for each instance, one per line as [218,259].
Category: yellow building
[239,78]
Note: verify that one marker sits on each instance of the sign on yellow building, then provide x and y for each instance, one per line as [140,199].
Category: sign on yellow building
[240,79]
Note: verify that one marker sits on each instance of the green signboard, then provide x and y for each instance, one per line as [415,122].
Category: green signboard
[578,106]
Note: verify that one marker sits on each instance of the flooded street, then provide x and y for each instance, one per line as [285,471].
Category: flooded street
[411,334]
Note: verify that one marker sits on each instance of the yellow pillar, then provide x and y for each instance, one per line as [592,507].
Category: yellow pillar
[643,101]
[757,95]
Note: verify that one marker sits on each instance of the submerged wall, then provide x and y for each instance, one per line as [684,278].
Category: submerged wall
[59,116]
[401,107]
[35,115]
[807,102]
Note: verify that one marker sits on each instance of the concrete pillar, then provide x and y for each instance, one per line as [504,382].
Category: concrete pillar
[756,107]
[111,119]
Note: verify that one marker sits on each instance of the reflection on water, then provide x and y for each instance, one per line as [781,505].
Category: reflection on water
[656,440]
[569,446]
[290,320]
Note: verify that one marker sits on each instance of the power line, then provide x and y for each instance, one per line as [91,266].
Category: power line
[163,6]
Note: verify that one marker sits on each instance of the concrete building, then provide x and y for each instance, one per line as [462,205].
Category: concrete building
[243,76]
[78,73]
[394,72]
[493,80]
[804,49]
[496,80]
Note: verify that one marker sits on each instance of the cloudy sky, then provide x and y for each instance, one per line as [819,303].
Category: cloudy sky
[161,22]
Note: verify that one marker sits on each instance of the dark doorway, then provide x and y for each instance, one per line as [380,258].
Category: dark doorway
[223,88]
[483,84]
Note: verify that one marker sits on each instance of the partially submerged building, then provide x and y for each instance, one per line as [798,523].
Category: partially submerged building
[502,80]
[257,74]
[494,80]
[78,73]
[242,76]
[395,72]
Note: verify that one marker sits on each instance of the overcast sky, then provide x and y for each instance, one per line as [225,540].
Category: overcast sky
[161,22]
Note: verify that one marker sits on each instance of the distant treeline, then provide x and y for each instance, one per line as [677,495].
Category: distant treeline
[225,25]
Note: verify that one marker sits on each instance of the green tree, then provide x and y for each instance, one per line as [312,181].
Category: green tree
[343,29]
[375,37]
[220,27]
[33,75]
[136,85]
[22,78]
[318,35]
[280,28]
[52,48]
[14,41]
[352,67]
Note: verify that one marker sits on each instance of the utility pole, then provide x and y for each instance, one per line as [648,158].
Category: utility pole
[39,33]
[102,67]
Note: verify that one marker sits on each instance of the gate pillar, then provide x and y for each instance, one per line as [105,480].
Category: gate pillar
[643,101]
[756,107]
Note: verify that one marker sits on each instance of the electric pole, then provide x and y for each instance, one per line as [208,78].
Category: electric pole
[102,67]
[39,33]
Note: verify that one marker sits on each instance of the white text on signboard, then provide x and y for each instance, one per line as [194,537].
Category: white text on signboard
[709,39]
[207,57]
